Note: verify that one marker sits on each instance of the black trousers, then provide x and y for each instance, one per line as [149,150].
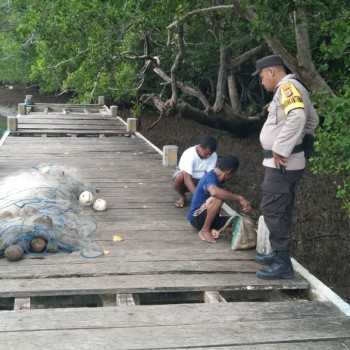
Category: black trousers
[277,205]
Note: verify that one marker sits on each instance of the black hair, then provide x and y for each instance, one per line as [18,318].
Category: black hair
[228,163]
[209,142]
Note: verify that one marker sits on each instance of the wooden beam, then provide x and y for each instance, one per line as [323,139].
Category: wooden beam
[22,304]
[213,297]
[125,300]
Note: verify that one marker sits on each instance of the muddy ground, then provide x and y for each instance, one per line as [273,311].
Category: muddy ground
[321,235]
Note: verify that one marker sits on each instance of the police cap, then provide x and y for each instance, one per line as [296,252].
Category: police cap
[268,61]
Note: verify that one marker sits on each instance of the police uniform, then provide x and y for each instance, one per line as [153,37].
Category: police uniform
[291,116]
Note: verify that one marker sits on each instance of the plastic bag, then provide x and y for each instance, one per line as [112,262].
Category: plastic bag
[244,235]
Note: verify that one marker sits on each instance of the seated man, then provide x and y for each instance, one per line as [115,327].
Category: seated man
[193,164]
[209,197]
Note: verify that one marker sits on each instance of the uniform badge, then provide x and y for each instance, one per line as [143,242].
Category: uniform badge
[290,97]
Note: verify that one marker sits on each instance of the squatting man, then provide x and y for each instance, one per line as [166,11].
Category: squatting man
[209,196]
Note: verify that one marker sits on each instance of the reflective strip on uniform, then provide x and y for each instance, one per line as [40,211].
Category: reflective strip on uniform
[290,97]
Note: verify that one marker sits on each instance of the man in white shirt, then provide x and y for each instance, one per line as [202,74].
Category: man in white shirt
[194,163]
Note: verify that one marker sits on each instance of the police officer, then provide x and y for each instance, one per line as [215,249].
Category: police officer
[291,116]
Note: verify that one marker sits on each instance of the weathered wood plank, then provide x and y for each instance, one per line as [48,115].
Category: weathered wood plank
[137,255]
[162,315]
[70,131]
[127,268]
[142,283]
[72,126]
[184,336]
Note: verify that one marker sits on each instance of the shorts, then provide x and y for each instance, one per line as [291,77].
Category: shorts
[177,172]
[200,215]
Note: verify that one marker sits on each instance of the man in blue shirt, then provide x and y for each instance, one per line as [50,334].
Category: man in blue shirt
[209,197]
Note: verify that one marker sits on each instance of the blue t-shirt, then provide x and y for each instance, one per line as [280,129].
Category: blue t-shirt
[201,193]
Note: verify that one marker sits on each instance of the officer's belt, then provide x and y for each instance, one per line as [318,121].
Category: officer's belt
[267,153]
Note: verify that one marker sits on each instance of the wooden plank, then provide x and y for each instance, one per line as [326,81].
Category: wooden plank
[79,131]
[162,315]
[72,127]
[24,288]
[206,253]
[70,122]
[184,336]
[341,344]
[126,268]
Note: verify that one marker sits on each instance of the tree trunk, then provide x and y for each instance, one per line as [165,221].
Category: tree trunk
[307,73]
[233,93]
[222,79]
[224,119]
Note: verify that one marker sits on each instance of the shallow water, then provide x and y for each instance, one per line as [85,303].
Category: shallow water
[8,111]
[4,113]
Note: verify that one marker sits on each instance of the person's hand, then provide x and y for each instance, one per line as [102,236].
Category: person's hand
[279,160]
[245,205]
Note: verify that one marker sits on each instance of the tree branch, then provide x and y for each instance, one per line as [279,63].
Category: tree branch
[308,74]
[174,24]
[235,62]
[191,91]
[197,11]
[176,64]
[80,53]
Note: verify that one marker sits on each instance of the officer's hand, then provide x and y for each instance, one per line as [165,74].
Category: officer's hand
[279,160]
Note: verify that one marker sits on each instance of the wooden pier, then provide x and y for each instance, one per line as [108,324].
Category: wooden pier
[160,287]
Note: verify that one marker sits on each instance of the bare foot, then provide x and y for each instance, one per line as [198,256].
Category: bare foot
[206,236]
[214,233]
[180,203]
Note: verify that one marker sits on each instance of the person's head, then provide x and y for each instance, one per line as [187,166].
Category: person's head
[227,165]
[207,147]
[271,70]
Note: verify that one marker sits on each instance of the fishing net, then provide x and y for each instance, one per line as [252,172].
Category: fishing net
[44,203]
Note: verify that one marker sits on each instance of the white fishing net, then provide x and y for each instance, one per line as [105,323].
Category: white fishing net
[44,203]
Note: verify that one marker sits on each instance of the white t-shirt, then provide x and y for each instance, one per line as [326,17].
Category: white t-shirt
[194,165]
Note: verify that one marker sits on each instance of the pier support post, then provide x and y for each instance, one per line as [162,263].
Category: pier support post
[131,125]
[263,242]
[22,109]
[170,155]
[101,100]
[114,111]
[12,123]
[28,100]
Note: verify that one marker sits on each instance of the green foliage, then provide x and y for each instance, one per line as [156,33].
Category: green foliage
[332,144]
[125,77]
[334,48]
[137,109]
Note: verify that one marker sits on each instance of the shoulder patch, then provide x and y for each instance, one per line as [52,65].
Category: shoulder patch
[290,97]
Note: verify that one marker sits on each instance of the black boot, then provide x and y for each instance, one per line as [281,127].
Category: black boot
[265,259]
[281,269]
